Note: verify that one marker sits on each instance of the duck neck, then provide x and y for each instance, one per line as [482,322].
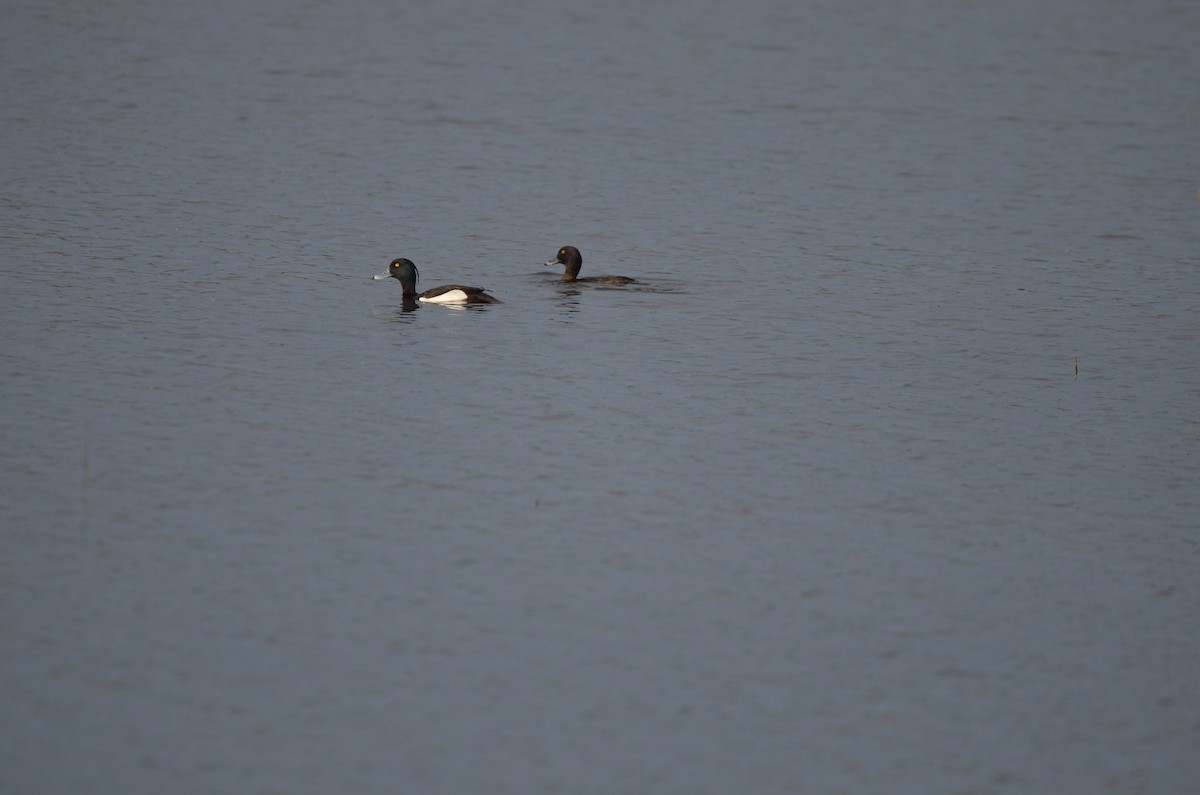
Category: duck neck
[571,269]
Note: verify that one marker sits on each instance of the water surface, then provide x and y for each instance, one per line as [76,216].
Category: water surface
[822,505]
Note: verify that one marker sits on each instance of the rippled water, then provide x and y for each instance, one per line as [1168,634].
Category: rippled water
[884,477]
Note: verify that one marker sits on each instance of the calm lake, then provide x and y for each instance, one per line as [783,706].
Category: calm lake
[883,478]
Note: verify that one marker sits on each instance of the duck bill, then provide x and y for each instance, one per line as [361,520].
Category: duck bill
[383,275]
[551,262]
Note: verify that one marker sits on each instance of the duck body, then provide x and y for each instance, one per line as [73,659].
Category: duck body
[571,260]
[407,274]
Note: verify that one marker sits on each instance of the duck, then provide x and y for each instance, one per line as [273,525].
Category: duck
[572,260]
[407,273]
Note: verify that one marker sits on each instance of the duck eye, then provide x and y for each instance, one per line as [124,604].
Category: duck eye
[562,251]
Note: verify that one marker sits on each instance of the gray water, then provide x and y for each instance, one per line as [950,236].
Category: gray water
[884,479]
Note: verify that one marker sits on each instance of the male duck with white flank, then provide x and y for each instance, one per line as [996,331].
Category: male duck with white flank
[406,272]
[570,258]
